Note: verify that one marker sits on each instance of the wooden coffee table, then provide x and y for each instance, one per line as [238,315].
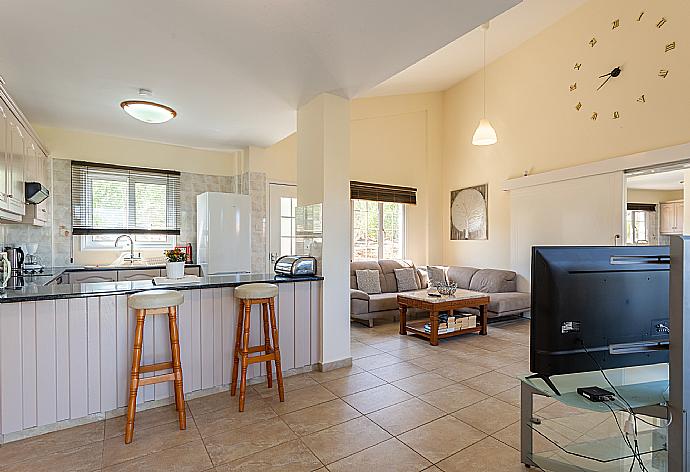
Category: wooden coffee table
[435,305]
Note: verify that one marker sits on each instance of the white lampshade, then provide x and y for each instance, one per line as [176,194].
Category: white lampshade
[148,112]
[485,134]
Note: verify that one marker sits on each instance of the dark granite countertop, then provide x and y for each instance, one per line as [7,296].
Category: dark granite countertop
[76,268]
[34,288]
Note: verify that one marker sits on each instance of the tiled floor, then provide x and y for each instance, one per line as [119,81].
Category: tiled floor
[403,406]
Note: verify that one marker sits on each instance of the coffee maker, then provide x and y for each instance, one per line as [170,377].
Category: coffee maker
[32,263]
[16,257]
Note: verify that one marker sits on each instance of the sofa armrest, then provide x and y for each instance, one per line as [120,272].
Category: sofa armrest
[358,295]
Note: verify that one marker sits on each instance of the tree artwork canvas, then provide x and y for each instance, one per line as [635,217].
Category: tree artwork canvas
[469,213]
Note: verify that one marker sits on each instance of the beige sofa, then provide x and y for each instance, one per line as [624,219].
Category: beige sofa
[501,285]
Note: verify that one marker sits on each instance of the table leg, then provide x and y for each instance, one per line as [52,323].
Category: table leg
[526,413]
[433,336]
[403,320]
[484,316]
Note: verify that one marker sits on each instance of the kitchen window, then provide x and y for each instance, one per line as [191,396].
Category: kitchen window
[110,200]
[378,230]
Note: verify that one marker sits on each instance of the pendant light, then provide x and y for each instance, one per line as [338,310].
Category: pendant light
[485,134]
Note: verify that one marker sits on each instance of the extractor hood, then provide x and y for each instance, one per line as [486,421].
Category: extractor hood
[35,192]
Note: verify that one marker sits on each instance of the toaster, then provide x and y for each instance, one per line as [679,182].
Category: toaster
[295,265]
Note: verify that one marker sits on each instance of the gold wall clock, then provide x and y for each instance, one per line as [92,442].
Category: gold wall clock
[620,66]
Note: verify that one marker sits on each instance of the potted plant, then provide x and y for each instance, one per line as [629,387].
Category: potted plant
[175,266]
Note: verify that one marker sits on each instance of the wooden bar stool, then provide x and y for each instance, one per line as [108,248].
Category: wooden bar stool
[256,294]
[155,302]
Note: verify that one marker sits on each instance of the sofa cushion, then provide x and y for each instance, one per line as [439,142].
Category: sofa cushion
[383,302]
[406,279]
[509,302]
[388,266]
[359,307]
[461,276]
[437,274]
[360,265]
[368,281]
[493,281]
[423,275]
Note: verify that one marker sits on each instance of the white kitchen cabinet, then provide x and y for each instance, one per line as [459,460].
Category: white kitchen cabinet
[15,180]
[671,217]
[93,276]
[137,274]
[4,155]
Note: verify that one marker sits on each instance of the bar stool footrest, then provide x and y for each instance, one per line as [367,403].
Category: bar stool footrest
[156,367]
[157,379]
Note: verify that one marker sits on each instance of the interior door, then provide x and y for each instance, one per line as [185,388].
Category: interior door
[281,227]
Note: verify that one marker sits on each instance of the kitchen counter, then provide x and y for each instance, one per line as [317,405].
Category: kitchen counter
[35,288]
[66,349]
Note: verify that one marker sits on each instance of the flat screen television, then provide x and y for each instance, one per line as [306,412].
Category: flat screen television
[598,307]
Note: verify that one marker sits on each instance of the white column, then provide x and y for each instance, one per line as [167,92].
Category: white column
[323,176]
[686,202]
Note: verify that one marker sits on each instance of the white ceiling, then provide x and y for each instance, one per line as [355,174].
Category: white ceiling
[670,180]
[235,70]
[463,57]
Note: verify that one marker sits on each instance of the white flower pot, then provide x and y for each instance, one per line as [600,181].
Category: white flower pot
[174,270]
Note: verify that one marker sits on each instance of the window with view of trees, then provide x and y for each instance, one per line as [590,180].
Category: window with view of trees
[377,230]
[112,200]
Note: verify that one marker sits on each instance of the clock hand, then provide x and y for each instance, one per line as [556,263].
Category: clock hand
[604,83]
[605,75]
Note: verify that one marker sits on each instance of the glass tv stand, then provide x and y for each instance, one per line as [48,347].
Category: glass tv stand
[567,432]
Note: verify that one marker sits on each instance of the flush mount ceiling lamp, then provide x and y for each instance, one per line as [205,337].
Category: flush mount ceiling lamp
[148,111]
[485,134]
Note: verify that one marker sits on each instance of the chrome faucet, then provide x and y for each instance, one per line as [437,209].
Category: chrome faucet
[131,245]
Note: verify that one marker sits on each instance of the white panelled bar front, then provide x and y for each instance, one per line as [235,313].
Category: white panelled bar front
[68,359]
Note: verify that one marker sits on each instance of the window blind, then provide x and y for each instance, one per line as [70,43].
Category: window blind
[641,206]
[382,193]
[117,199]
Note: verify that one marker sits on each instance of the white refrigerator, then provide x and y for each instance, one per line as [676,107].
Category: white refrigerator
[223,232]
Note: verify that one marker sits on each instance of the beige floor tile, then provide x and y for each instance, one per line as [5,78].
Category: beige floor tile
[441,438]
[494,360]
[436,360]
[292,456]
[359,350]
[82,459]
[45,444]
[221,420]
[148,441]
[190,457]
[321,416]
[374,362]
[237,443]
[377,398]
[422,383]
[344,439]
[404,416]
[327,376]
[303,398]
[511,437]
[462,370]
[520,368]
[143,420]
[219,401]
[353,384]
[452,398]
[388,455]
[290,384]
[394,372]
[486,455]
[492,383]
[512,396]
[489,415]
[395,344]
[413,352]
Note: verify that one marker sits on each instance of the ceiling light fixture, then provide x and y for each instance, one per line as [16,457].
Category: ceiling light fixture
[485,134]
[148,111]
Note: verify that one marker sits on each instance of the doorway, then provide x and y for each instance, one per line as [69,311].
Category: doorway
[281,217]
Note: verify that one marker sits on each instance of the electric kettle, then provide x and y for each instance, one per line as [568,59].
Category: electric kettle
[15,256]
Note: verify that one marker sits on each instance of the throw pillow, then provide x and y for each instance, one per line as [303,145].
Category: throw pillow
[368,281]
[406,279]
[437,275]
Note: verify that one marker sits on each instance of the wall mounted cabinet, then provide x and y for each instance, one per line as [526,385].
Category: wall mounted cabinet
[671,217]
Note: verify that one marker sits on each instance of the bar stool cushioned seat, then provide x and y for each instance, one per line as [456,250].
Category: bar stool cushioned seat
[254,291]
[155,299]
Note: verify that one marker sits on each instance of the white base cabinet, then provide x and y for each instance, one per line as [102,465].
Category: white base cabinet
[69,358]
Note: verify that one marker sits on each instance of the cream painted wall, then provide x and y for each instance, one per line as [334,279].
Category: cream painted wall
[533,110]
[84,146]
[394,140]
[653,196]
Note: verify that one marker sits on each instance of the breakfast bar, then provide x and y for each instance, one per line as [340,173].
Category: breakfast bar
[66,350]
